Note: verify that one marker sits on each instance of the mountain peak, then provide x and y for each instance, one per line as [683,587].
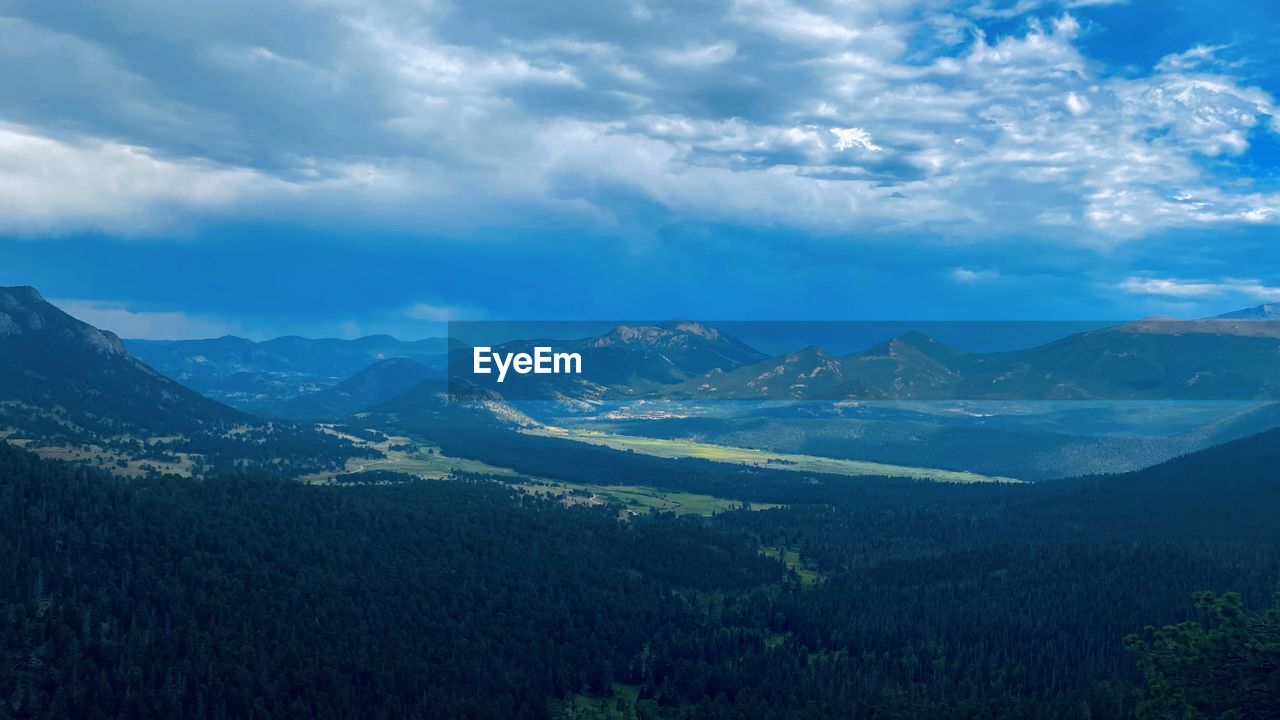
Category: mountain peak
[24,311]
[910,340]
[914,338]
[693,328]
[643,334]
[669,334]
[23,293]
[808,353]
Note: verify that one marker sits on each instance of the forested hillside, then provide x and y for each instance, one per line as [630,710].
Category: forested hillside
[244,598]
[238,598]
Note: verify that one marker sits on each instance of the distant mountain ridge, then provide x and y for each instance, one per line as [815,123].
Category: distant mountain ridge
[1151,360]
[1233,358]
[288,353]
[262,376]
[630,358]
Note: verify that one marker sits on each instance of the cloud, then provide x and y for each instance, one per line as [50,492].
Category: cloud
[697,56]
[433,313]
[1201,289]
[1077,104]
[854,137]
[965,275]
[54,185]
[146,324]
[46,184]
[1190,59]
[879,117]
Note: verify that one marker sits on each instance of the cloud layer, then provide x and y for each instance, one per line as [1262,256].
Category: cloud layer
[1249,289]
[860,118]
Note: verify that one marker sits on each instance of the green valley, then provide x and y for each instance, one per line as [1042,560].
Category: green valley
[674,448]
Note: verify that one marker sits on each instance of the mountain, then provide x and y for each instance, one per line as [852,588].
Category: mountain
[1182,360]
[433,407]
[1143,360]
[1267,311]
[261,376]
[62,378]
[910,366]
[811,372]
[629,359]
[71,391]
[662,354]
[380,381]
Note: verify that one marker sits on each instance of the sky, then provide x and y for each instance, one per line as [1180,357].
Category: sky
[343,168]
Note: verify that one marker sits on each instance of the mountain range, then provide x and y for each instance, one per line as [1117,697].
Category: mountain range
[72,391]
[1230,358]
[1145,360]
[63,382]
[263,376]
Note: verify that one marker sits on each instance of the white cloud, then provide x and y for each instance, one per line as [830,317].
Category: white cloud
[794,23]
[434,313]
[1073,4]
[965,275]
[1077,103]
[54,185]
[697,56]
[1179,288]
[988,8]
[416,113]
[847,138]
[51,184]
[1190,59]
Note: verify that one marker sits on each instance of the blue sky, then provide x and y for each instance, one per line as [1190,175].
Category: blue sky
[343,168]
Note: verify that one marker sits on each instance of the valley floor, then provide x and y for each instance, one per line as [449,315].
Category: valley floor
[670,448]
[422,459]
